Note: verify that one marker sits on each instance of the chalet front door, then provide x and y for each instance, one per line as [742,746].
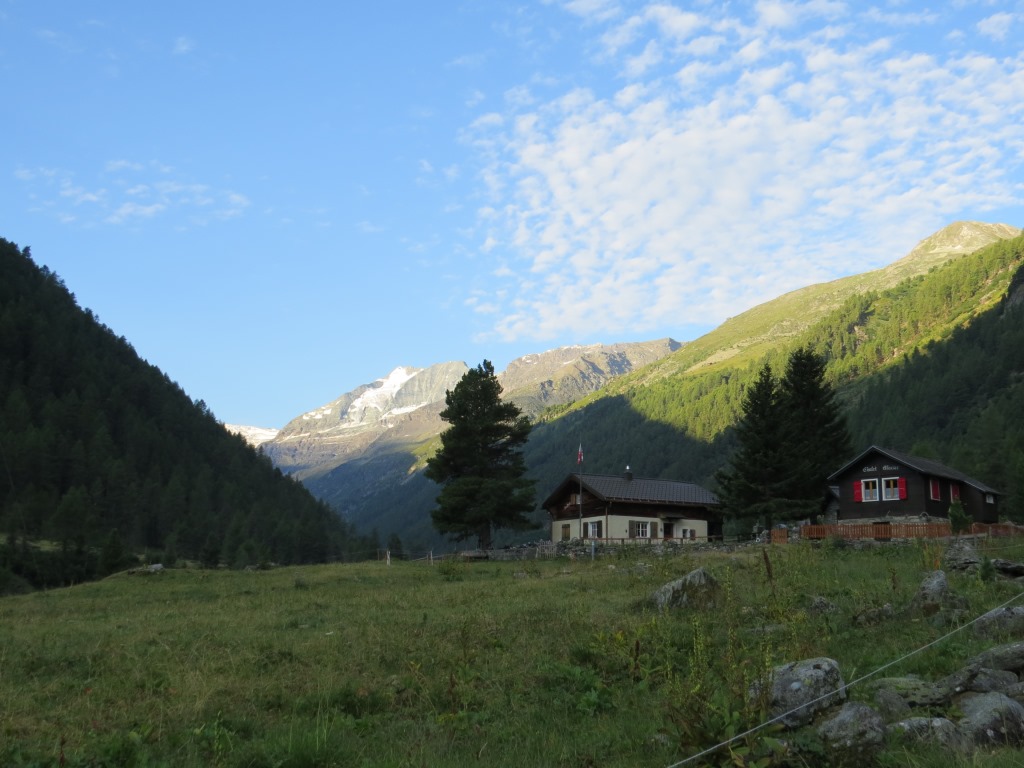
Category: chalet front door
[669,532]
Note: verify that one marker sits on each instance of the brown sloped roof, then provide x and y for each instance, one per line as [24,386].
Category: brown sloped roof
[924,466]
[639,489]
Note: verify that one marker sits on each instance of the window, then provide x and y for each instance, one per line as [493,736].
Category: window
[934,489]
[954,491]
[566,535]
[894,488]
[638,529]
[990,499]
[869,490]
[594,530]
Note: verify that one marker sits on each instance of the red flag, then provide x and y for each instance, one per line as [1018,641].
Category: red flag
[579,456]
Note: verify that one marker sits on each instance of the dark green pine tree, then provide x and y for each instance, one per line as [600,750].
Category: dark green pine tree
[480,463]
[754,483]
[814,438]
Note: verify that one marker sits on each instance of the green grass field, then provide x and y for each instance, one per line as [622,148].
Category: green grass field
[550,663]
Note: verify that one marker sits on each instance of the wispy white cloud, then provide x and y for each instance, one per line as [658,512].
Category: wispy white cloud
[127,191]
[997,26]
[800,143]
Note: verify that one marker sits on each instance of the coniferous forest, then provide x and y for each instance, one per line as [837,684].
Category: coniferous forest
[102,455]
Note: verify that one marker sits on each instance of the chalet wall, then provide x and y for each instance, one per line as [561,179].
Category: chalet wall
[864,495]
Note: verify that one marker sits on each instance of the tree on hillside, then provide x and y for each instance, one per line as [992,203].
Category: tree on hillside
[814,434]
[791,435]
[754,482]
[480,463]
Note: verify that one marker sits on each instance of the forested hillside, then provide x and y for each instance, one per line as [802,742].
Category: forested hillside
[933,365]
[103,454]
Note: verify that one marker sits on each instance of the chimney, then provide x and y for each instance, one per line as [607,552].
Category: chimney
[629,474]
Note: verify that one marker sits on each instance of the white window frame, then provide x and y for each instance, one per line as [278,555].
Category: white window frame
[894,490]
[593,529]
[639,529]
[869,489]
[990,498]
[934,489]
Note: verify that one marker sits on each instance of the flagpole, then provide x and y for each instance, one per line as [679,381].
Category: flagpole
[579,461]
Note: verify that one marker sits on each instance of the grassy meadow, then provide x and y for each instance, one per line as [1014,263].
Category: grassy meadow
[540,663]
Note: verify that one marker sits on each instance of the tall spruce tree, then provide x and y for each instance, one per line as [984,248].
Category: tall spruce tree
[791,435]
[755,481]
[480,463]
[815,438]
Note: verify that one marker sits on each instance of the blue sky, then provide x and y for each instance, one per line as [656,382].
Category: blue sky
[276,204]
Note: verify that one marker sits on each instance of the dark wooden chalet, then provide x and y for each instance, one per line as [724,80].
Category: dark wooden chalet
[882,483]
[621,507]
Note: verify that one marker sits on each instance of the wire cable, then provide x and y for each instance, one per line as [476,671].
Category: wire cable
[862,678]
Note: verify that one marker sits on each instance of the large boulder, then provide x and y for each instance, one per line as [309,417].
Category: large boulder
[696,588]
[800,689]
[992,718]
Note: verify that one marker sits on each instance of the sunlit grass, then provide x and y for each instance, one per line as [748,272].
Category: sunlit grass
[539,663]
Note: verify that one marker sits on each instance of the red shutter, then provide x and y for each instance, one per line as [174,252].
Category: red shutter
[856,490]
[954,492]
[903,487]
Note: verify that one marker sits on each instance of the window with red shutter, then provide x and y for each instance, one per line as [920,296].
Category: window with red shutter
[903,487]
[934,489]
[856,490]
[954,491]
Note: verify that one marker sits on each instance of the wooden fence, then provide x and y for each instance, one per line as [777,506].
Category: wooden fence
[996,529]
[878,531]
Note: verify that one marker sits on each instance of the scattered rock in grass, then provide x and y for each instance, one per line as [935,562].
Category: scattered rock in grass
[800,689]
[961,556]
[872,616]
[821,605]
[1009,656]
[891,705]
[933,730]
[856,726]
[914,691]
[1001,621]
[992,718]
[696,588]
[932,594]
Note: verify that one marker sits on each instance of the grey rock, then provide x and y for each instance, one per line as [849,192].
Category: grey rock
[800,689]
[697,587]
[933,730]
[1008,656]
[822,605]
[932,593]
[872,616]
[915,691]
[961,556]
[854,726]
[992,718]
[1008,621]
[891,705]
[998,680]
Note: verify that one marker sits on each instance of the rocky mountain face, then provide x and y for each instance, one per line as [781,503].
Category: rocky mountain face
[402,407]
[383,424]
